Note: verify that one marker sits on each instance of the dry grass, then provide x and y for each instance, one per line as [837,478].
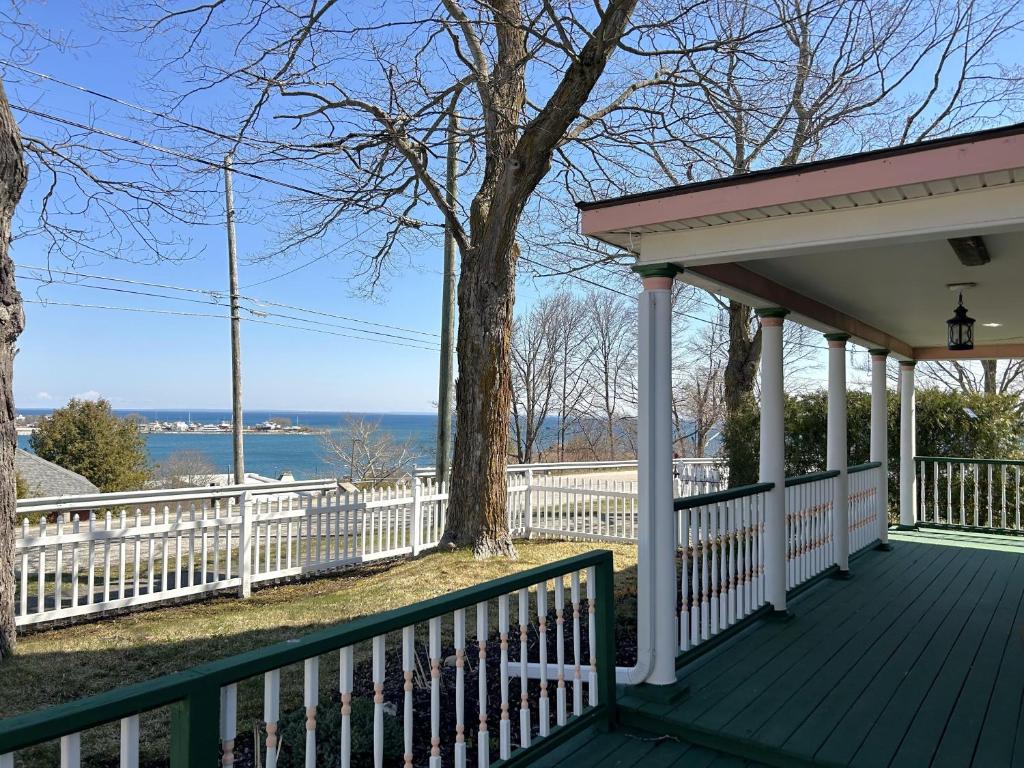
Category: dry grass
[61,665]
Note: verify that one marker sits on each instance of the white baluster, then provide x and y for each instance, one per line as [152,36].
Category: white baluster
[23,597]
[504,726]
[41,592]
[524,701]
[130,742]
[75,528]
[271,713]
[71,748]
[544,715]
[592,634]
[310,698]
[460,691]
[408,652]
[58,565]
[435,693]
[378,701]
[577,671]
[560,706]
[483,744]
[345,688]
[228,723]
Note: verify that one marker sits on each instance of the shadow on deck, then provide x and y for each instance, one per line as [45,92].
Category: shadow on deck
[916,661]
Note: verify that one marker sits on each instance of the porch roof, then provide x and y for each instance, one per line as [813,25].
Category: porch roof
[866,244]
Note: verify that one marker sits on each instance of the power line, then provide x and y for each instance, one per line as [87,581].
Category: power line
[215,295]
[261,321]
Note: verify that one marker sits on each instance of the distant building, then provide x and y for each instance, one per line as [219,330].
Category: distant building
[44,478]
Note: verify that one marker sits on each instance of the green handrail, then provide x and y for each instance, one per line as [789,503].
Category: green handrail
[962,460]
[811,477]
[863,467]
[703,499]
[195,693]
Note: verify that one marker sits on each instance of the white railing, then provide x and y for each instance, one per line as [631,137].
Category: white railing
[865,512]
[970,493]
[82,555]
[721,560]
[809,526]
[383,670]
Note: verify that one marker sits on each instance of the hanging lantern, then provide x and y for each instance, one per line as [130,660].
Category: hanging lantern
[961,328]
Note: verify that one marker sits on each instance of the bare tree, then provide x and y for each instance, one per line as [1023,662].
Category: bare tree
[988,377]
[698,393]
[368,453]
[186,469]
[611,370]
[537,366]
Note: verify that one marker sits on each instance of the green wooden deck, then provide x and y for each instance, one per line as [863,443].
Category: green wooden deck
[916,661]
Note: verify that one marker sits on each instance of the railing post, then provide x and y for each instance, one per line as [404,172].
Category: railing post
[417,514]
[838,451]
[773,456]
[245,553]
[880,440]
[528,502]
[195,728]
[908,438]
[604,572]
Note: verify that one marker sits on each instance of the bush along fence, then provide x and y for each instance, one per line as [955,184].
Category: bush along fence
[82,555]
[371,689]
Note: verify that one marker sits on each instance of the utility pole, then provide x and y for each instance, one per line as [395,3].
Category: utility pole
[445,383]
[236,351]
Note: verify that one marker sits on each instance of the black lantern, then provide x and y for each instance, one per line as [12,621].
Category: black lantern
[961,328]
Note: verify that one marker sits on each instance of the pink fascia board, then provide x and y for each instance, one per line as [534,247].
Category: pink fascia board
[927,164]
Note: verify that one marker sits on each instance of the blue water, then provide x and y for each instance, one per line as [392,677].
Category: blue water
[271,454]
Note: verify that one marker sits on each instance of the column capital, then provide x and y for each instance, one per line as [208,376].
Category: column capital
[656,270]
[771,315]
[879,352]
[908,363]
[837,340]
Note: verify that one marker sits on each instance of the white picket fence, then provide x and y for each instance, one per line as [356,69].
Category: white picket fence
[82,555]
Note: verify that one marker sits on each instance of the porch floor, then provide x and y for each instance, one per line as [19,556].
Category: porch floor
[918,660]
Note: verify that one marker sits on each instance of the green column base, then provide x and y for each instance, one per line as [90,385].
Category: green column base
[884,546]
[786,615]
[840,575]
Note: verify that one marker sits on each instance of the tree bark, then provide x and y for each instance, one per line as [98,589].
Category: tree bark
[988,368]
[13,177]
[740,369]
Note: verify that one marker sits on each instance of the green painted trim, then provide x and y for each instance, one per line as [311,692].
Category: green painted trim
[713,739]
[656,270]
[604,593]
[811,478]
[771,312]
[970,529]
[863,467]
[661,694]
[836,336]
[48,724]
[700,500]
[557,736]
[962,460]
[195,728]
[879,351]
[908,363]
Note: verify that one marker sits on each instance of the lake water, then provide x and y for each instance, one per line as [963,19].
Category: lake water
[271,454]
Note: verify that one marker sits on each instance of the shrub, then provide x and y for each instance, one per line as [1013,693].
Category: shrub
[328,735]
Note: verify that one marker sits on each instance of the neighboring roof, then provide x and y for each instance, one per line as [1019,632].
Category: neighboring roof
[813,165]
[44,478]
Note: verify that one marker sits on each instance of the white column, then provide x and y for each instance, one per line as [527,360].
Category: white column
[657,534]
[837,452]
[908,446]
[880,439]
[773,456]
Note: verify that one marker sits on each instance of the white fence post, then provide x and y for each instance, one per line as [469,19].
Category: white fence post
[245,553]
[417,515]
[528,502]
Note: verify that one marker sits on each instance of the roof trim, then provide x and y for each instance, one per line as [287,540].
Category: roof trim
[1016,129]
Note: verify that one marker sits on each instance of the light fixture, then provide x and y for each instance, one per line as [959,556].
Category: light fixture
[961,328]
[993,325]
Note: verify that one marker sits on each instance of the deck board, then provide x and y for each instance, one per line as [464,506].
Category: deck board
[918,660]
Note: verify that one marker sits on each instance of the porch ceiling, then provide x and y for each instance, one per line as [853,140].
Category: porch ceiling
[857,244]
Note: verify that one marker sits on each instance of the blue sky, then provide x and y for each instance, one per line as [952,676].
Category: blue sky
[146,360]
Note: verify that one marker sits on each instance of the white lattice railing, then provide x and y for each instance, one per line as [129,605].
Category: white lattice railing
[809,512]
[865,505]
[78,556]
[970,493]
[562,612]
[721,560]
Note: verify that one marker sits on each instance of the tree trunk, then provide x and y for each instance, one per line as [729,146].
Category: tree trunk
[740,374]
[13,176]
[478,500]
[988,367]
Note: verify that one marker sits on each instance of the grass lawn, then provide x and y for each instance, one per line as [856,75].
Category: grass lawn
[61,665]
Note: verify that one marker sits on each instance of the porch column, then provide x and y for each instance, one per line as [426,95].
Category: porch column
[908,446]
[880,439]
[837,453]
[657,531]
[773,456]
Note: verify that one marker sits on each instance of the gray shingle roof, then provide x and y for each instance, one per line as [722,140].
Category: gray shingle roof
[44,478]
